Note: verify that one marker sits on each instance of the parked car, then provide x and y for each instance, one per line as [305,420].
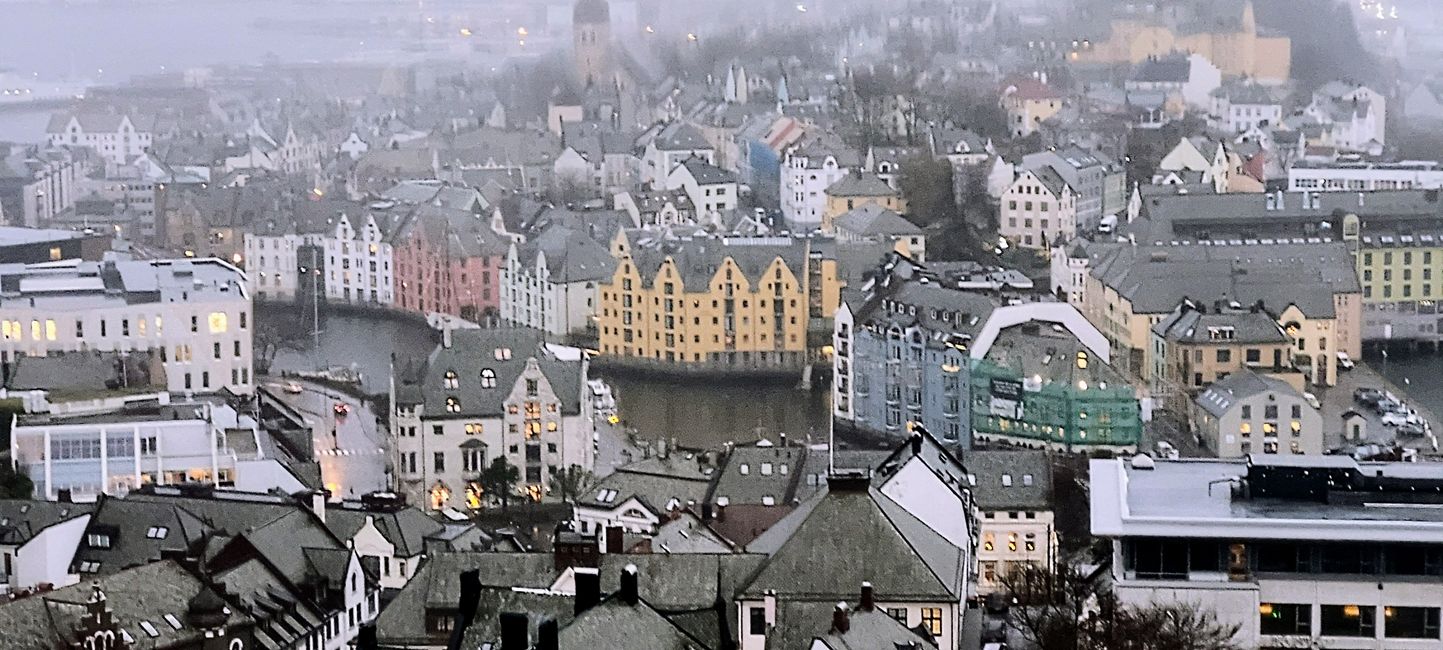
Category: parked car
[1399,418]
[293,388]
[1367,396]
[1345,362]
[1412,430]
[1312,400]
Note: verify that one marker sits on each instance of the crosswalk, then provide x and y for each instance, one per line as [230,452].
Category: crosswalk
[350,452]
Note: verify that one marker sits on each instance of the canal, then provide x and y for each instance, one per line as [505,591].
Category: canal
[696,412]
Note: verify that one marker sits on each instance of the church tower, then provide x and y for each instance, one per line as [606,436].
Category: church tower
[591,41]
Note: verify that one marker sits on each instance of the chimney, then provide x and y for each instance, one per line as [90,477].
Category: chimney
[840,622]
[547,635]
[869,599]
[446,332]
[588,589]
[769,607]
[366,638]
[721,508]
[63,496]
[916,441]
[513,631]
[706,513]
[318,505]
[466,609]
[629,593]
[612,539]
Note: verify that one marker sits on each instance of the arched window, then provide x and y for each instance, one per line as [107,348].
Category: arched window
[488,378]
[453,405]
[451,380]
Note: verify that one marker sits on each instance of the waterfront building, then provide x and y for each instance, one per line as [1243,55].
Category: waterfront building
[340,246]
[484,394]
[551,282]
[1039,209]
[1013,494]
[1311,288]
[859,189]
[1246,413]
[1294,550]
[1099,181]
[194,312]
[808,168]
[37,185]
[1365,176]
[113,136]
[723,303]
[449,261]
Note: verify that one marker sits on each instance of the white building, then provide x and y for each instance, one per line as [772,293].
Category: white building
[1191,77]
[1358,113]
[115,137]
[552,282]
[711,189]
[672,145]
[1013,494]
[1038,209]
[41,540]
[486,394]
[1298,551]
[195,313]
[1365,176]
[37,185]
[1239,108]
[1205,158]
[152,442]
[1068,272]
[807,171]
[349,246]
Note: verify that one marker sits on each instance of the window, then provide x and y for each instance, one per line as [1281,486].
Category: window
[898,613]
[453,405]
[451,381]
[932,620]
[157,532]
[97,540]
[756,621]
[1285,619]
[488,378]
[440,461]
[473,428]
[1410,622]
[1348,620]
[217,322]
[1225,355]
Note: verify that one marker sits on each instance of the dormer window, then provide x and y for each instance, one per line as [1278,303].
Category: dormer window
[453,405]
[488,378]
[451,381]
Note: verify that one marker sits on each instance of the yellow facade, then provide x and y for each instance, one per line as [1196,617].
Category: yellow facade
[1239,52]
[1401,274]
[732,319]
[840,205]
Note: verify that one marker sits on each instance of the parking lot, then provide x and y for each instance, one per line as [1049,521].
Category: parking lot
[1338,400]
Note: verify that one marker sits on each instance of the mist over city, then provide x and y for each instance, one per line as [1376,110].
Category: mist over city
[721,325]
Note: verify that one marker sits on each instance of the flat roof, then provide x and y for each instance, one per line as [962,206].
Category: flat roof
[1192,498]
[74,285]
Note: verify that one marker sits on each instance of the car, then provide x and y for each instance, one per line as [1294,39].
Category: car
[1399,418]
[293,388]
[1412,430]
[341,408]
[1345,362]
[1312,400]
[1166,450]
[1389,405]
[1367,396]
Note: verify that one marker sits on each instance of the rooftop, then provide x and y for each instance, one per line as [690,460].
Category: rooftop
[82,286]
[1308,497]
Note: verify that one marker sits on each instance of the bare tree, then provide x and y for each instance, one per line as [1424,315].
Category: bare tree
[1061,610]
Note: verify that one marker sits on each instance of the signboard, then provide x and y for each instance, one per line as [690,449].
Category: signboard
[1006,398]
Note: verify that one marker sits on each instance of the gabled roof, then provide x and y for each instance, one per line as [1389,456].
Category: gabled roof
[1220,397]
[1168,69]
[843,537]
[680,136]
[570,255]
[861,184]
[22,519]
[474,351]
[615,624]
[871,220]
[706,173]
[406,528]
[1028,482]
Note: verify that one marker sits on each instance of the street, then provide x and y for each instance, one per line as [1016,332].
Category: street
[353,459]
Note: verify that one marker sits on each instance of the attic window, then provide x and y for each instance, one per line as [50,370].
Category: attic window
[782,469]
[766,469]
[451,380]
[769,500]
[97,540]
[606,496]
[1027,480]
[157,532]
[1006,480]
[89,566]
[745,469]
[172,621]
[453,405]
[503,354]
[488,378]
[149,629]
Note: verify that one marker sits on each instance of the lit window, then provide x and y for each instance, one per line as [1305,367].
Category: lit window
[488,378]
[451,380]
[453,405]
[218,323]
